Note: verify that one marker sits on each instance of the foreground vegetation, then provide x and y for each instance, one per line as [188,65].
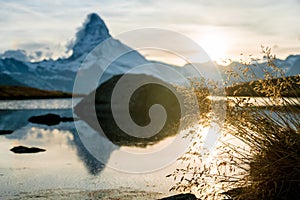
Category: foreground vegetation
[256,88]
[258,155]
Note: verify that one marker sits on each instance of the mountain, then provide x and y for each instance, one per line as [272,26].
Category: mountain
[290,66]
[293,62]
[60,74]
[5,79]
[55,74]
[17,54]
[92,33]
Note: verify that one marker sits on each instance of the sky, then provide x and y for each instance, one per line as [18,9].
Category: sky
[224,28]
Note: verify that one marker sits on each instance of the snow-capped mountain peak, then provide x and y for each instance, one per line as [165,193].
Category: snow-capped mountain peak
[92,32]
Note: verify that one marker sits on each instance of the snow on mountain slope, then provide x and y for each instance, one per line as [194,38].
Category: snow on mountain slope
[58,74]
[93,32]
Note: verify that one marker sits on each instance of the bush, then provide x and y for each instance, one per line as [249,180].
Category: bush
[258,155]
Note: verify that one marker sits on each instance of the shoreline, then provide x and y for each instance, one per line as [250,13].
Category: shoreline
[29,93]
[124,193]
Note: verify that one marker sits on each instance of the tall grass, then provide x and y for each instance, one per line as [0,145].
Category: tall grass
[258,156]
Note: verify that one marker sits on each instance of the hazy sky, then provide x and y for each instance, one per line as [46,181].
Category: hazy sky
[225,28]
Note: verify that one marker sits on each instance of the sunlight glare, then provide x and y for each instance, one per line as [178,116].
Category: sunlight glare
[216,45]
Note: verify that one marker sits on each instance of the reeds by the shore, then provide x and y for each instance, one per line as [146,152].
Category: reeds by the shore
[258,156]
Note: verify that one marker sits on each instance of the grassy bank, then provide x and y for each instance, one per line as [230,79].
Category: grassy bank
[21,92]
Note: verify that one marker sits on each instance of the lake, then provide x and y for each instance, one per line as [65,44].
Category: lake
[66,163]
[70,164]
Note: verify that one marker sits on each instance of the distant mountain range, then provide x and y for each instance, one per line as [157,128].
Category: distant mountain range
[60,74]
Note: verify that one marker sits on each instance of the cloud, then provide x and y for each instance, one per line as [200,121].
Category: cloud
[55,22]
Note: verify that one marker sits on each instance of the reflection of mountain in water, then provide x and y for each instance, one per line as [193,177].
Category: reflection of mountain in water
[41,134]
[141,101]
[93,165]
[17,120]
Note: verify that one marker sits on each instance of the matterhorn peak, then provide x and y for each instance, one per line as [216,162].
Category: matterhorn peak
[92,33]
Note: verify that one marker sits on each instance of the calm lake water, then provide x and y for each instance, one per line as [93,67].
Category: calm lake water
[66,164]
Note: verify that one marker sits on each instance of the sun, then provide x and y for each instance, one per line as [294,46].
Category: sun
[215,44]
